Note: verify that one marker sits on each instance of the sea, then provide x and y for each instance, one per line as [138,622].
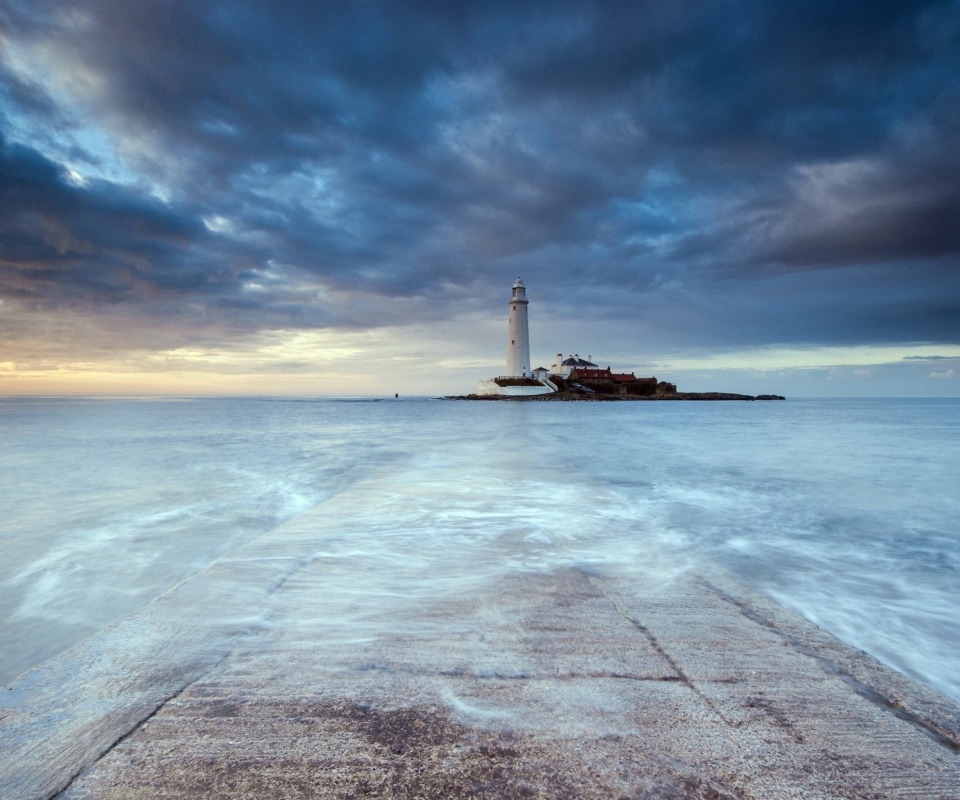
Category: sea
[846,510]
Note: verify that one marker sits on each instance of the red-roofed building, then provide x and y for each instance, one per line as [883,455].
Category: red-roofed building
[603,375]
[623,382]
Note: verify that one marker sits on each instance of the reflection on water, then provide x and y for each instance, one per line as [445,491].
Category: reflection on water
[845,510]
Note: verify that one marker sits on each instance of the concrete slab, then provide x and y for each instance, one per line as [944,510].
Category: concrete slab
[560,684]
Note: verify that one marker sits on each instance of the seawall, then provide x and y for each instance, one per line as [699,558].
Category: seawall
[492,389]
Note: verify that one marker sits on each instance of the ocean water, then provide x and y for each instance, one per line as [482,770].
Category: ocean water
[846,510]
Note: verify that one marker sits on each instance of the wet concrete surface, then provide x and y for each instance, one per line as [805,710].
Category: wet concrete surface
[564,684]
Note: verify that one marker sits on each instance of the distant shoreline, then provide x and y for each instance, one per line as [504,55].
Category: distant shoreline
[582,397]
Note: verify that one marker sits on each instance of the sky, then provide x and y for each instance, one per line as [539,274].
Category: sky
[334,198]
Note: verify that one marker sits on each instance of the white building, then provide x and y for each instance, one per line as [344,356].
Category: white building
[564,366]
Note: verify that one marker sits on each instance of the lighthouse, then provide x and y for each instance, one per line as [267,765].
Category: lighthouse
[518,341]
[518,379]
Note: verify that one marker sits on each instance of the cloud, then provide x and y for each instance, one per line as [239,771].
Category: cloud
[943,373]
[699,174]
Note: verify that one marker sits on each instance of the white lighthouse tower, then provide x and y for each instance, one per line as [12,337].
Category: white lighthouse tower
[518,341]
[518,356]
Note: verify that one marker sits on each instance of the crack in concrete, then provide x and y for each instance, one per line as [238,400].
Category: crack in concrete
[270,590]
[58,793]
[681,676]
[941,735]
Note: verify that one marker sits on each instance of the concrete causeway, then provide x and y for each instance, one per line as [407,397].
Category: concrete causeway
[564,684]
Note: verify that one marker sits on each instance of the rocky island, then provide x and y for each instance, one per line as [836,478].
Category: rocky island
[642,389]
[573,378]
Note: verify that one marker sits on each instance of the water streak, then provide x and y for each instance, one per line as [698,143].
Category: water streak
[845,510]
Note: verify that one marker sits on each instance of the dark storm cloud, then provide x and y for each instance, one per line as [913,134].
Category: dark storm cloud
[794,159]
[94,244]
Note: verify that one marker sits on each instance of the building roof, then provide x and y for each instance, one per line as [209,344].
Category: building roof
[577,362]
[591,373]
[606,374]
